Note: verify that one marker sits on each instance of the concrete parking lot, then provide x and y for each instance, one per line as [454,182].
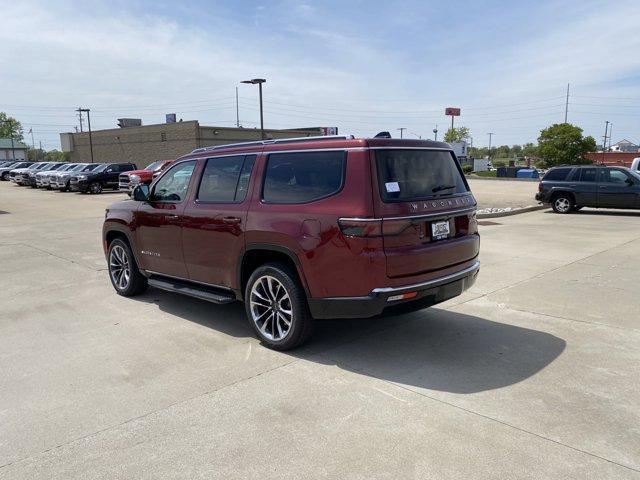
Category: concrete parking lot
[531,374]
[493,193]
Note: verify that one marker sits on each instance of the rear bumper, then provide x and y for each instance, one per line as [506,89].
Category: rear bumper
[377,302]
[542,197]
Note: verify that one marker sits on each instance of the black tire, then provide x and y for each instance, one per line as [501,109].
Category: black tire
[562,203]
[95,188]
[137,283]
[301,322]
[5,176]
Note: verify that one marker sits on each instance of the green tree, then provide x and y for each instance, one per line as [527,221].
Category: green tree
[35,154]
[56,156]
[9,126]
[530,150]
[459,134]
[563,143]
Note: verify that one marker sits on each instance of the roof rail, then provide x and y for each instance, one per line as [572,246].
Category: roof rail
[316,138]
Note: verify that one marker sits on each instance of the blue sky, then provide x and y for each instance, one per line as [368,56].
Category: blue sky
[363,66]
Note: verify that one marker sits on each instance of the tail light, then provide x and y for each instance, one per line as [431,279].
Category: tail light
[473,224]
[357,227]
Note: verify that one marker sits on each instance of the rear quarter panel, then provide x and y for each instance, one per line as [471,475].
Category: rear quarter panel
[331,265]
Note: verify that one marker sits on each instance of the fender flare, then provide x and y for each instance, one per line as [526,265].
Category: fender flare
[276,248]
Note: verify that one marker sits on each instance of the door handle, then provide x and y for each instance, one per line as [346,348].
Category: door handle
[603,187]
[231,220]
[172,217]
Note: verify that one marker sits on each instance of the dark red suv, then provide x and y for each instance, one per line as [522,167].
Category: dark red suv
[301,229]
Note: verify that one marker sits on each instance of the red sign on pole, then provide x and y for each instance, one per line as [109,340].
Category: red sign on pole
[453,111]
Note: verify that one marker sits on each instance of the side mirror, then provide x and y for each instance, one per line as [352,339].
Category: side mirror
[141,193]
[630,181]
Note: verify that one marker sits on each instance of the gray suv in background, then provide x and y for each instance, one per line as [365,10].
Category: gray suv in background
[571,187]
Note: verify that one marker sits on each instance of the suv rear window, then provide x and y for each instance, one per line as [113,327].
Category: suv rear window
[303,177]
[405,175]
[557,174]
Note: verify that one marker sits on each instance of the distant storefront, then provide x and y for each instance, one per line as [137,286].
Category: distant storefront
[10,151]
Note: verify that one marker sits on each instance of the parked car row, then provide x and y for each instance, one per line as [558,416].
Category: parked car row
[63,176]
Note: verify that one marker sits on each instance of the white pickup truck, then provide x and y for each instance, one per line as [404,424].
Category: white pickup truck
[635,165]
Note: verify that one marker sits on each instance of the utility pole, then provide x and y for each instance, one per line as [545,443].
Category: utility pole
[604,143]
[435,133]
[33,144]
[566,106]
[237,110]
[610,130]
[490,135]
[80,110]
[402,129]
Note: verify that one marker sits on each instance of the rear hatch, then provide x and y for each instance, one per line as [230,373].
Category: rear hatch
[427,209]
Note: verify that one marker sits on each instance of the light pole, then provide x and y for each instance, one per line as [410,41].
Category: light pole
[490,135]
[259,82]
[435,133]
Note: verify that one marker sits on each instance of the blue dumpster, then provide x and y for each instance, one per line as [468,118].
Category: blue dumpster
[527,173]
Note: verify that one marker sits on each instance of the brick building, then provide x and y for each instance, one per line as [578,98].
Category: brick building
[145,144]
[619,159]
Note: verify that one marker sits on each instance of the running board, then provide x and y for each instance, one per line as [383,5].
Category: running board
[202,292]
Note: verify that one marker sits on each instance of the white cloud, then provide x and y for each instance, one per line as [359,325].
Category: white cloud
[319,71]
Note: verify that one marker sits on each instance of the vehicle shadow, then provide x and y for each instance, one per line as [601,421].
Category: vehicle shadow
[434,348]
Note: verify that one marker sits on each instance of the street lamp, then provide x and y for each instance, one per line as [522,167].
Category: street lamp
[259,82]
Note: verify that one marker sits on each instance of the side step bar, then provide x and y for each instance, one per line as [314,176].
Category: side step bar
[202,292]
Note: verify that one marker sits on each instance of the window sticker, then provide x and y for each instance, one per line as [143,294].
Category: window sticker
[392,187]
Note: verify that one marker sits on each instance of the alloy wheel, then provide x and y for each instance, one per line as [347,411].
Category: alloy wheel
[119,267]
[271,309]
[562,204]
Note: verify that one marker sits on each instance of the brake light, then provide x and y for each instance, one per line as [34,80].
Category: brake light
[356,227]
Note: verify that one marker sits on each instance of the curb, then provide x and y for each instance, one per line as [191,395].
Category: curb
[511,212]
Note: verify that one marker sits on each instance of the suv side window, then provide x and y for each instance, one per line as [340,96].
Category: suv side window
[610,175]
[557,174]
[225,179]
[588,174]
[125,167]
[173,186]
[303,177]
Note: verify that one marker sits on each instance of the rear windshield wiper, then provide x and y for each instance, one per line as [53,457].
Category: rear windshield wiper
[438,188]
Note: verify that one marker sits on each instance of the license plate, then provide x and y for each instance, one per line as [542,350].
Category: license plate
[440,230]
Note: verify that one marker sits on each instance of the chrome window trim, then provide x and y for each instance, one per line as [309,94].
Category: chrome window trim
[413,217]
